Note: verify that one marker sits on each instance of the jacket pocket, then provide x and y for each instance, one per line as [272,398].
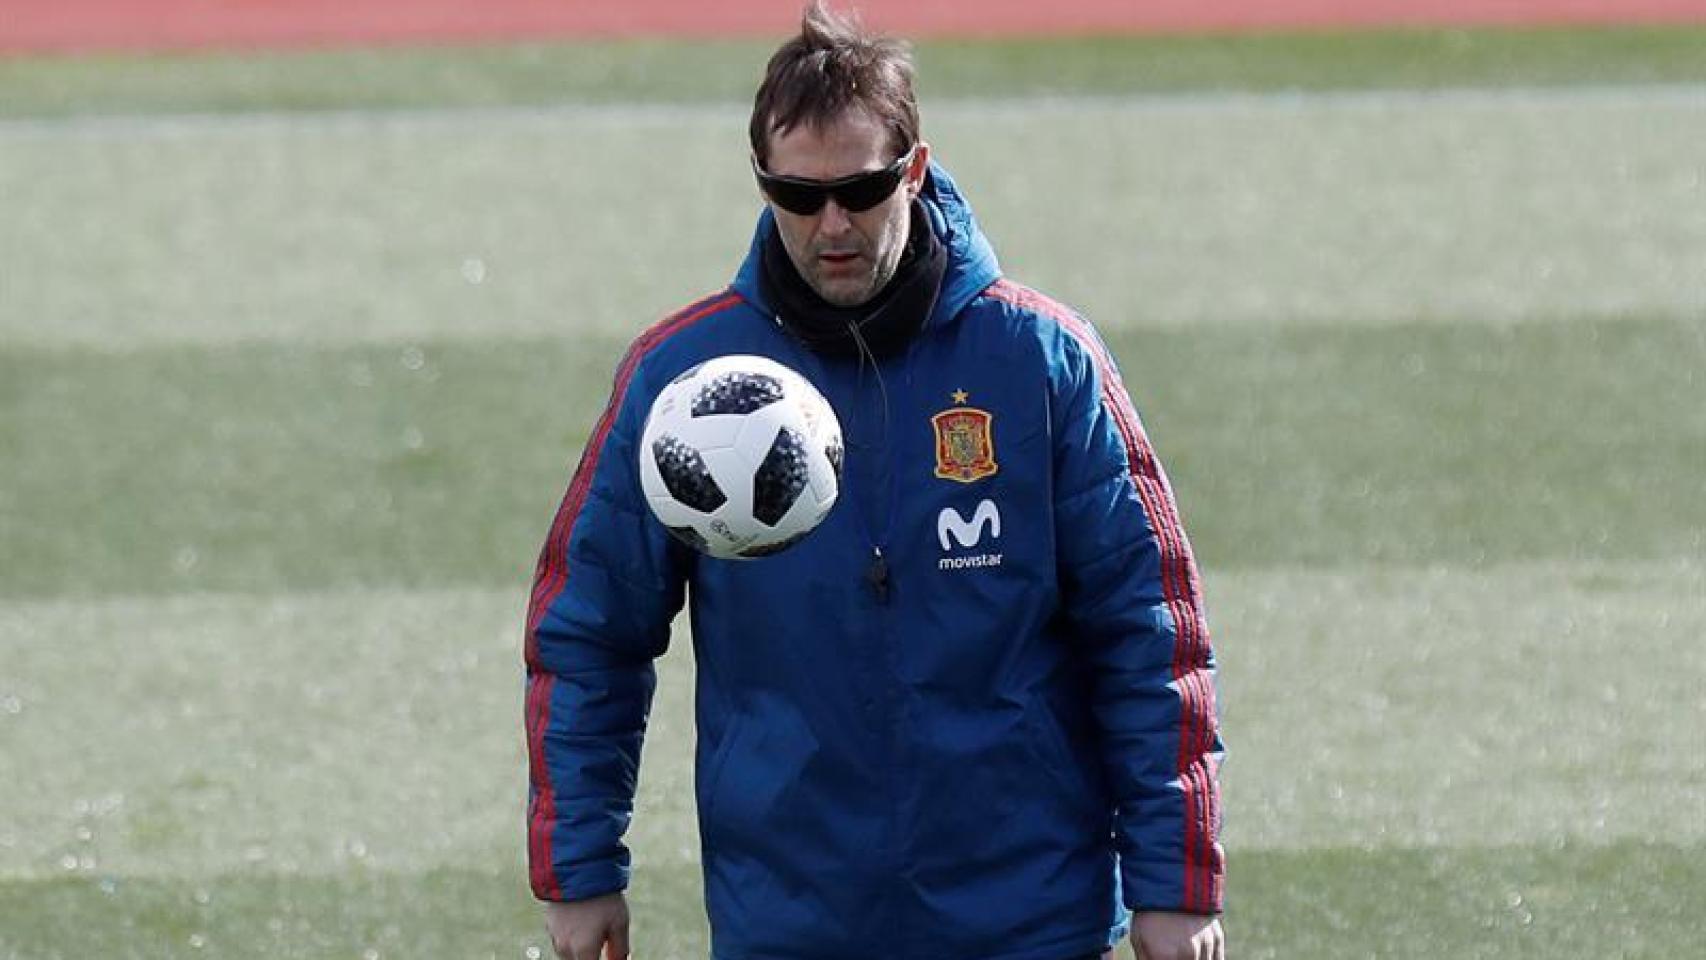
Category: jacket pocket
[1078,782]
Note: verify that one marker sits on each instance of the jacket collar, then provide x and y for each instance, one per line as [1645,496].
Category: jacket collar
[971,262]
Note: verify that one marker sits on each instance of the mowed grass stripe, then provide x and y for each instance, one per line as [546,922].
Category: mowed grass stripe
[348,732]
[187,736]
[698,70]
[1363,210]
[1516,704]
[1524,902]
[173,123]
[270,467]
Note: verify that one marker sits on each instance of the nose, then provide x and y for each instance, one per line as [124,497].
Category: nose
[833,220]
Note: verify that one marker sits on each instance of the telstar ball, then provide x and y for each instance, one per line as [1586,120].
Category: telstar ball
[740,457]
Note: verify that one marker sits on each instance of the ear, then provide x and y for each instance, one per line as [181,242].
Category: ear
[916,172]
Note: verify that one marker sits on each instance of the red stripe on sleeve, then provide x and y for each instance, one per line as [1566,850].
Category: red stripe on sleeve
[1182,591]
[552,574]
[543,800]
[552,570]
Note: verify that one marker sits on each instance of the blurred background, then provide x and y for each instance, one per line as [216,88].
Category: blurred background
[307,308]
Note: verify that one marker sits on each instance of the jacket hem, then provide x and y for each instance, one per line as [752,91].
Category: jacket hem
[1071,947]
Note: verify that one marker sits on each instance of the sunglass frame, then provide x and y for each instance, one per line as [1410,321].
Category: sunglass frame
[855,194]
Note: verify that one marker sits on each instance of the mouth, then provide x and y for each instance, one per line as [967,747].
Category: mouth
[838,261]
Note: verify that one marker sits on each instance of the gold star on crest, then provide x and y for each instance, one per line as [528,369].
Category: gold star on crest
[960,396]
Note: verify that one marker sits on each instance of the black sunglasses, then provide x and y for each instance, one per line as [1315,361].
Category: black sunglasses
[861,191]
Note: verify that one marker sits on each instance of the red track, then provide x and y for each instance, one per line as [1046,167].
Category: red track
[75,25]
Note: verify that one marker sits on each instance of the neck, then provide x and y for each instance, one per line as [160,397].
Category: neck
[883,325]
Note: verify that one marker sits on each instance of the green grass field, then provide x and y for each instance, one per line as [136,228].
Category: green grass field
[296,352]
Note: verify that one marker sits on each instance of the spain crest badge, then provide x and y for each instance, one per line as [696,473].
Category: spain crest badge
[965,443]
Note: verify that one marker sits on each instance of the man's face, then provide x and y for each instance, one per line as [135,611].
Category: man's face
[846,256]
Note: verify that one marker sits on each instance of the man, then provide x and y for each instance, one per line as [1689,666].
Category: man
[971,717]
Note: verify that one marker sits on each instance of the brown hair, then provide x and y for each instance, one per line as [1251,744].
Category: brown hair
[831,67]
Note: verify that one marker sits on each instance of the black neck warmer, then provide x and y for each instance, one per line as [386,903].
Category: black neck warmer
[886,323]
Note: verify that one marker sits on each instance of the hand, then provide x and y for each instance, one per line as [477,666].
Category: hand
[581,928]
[1156,935]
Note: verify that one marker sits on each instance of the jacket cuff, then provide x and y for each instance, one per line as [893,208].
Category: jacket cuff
[585,881]
[1172,888]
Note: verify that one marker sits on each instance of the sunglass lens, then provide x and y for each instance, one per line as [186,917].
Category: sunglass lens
[867,191]
[857,193]
[797,198]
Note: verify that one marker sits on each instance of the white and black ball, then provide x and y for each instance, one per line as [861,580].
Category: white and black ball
[740,457]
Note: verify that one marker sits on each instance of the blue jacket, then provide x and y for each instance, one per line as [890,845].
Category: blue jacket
[991,761]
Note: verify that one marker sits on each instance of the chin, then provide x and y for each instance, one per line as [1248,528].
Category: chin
[845,294]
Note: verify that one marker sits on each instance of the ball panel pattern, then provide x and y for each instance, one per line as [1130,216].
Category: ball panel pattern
[685,475]
[832,450]
[691,537]
[740,457]
[768,549]
[735,394]
[780,478]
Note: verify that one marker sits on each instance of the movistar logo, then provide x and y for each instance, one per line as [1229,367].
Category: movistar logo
[968,533]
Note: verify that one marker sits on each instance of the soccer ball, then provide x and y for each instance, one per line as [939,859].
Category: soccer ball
[740,457]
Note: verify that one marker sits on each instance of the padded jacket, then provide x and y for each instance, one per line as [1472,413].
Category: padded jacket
[992,757]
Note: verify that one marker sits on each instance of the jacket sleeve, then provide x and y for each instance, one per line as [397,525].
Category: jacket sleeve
[1133,601]
[608,583]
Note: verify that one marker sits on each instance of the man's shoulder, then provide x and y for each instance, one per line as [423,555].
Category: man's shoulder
[696,314]
[685,330]
[1058,329]
[1029,302]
